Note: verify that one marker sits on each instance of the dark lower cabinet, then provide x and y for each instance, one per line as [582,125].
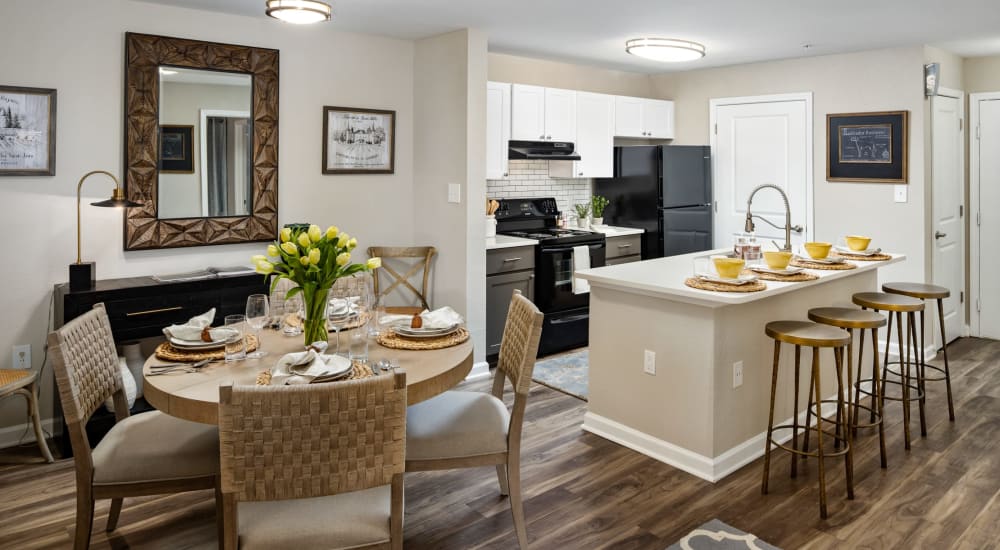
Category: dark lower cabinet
[502,278]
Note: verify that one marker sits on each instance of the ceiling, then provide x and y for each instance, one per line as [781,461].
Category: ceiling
[734,31]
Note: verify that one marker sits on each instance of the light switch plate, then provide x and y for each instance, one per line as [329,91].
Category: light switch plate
[454,193]
[649,362]
[899,193]
[737,374]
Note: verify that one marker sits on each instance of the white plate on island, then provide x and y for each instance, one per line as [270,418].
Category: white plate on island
[787,271]
[827,260]
[867,252]
[741,280]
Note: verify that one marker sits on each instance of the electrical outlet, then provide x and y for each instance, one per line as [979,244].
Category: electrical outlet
[737,374]
[22,356]
[649,362]
[899,193]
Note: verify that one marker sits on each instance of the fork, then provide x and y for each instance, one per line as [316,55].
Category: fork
[196,365]
[171,370]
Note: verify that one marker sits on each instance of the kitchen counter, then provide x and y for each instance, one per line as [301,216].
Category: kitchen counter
[505,241]
[691,411]
[612,231]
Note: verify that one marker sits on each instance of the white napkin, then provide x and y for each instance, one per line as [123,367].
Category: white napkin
[282,374]
[442,317]
[581,260]
[192,329]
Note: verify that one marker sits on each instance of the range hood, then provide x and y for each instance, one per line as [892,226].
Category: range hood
[543,150]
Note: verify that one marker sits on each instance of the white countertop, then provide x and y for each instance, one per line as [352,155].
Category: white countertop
[664,278]
[612,231]
[506,241]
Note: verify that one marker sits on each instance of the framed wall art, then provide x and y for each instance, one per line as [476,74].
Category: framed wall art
[358,141]
[27,131]
[176,149]
[868,147]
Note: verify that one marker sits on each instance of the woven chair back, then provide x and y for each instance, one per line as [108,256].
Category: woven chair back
[313,440]
[520,342]
[85,363]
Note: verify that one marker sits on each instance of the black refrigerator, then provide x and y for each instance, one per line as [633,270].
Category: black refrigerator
[666,190]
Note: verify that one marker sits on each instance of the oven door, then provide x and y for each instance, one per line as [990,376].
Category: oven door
[554,277]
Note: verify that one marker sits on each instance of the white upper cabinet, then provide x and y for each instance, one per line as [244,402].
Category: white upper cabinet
[644,118]
[497,129]
[527,121]
[595,124]
[560,115]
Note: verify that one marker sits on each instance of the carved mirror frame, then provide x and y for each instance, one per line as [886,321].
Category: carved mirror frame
[144,54]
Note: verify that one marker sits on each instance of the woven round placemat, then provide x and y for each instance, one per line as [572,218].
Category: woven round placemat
[358,370]
[799,277]
[169,353]
[872,258]
[755,286]
[293,320]
[797,262]
[392,340]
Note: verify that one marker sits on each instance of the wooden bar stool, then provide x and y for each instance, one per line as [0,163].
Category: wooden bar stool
[851,319]
[816,336]
[899,304]
[923,291]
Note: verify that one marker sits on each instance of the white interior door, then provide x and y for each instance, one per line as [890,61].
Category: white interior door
[761,140]
[985,165]
[948,172]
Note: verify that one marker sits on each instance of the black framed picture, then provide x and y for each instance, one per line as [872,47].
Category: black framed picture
[27,131]
[868,147]
[358,141]
[176,149]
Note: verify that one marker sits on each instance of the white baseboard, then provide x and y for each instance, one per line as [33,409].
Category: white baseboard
[11,435]
[479,370]
[709,469]
[930,352]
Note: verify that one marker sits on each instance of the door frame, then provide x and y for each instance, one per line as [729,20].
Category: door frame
[715,103]
[960,96]
[974,183]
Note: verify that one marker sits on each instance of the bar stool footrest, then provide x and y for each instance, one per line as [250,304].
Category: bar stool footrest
[815,454]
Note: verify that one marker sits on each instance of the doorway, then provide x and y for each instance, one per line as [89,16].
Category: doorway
[984,196]
[947,206]
[756,140]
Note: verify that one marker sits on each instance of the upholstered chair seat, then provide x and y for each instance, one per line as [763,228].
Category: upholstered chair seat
[457,424]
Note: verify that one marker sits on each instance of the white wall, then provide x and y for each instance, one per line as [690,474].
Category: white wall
[77,48]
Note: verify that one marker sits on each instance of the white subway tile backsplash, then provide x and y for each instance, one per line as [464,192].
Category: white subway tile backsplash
[530,178]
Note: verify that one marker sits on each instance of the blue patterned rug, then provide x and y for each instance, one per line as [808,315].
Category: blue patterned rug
[716,535]
[567,373]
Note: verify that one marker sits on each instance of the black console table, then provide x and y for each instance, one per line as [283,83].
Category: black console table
[139,307]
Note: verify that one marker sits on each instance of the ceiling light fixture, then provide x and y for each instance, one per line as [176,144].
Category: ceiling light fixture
[667,50]
[300,12]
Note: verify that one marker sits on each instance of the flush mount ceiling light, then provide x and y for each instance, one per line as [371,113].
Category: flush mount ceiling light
[665,49]
[300,12]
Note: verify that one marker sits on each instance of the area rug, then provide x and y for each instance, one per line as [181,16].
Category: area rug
[716,535]
[566,373]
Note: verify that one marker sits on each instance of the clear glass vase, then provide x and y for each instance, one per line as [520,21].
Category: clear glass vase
[314,324]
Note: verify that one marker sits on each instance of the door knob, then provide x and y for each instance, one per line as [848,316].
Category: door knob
[939,235]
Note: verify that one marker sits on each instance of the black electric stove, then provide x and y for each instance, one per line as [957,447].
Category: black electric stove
[567,314]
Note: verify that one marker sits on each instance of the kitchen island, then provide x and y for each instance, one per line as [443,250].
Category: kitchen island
[692,412]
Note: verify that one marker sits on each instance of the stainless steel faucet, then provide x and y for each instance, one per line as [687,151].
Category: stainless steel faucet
[749,228]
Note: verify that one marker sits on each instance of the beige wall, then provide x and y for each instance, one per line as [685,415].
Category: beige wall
[866,81]
[84,62]
[982,74]
[554,74]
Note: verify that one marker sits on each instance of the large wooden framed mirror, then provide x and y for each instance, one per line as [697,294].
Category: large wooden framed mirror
[201,142]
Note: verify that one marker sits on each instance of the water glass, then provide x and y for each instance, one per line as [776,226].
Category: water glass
[257,316]
[236,349]
[377,314]
[293,316]
[359,344]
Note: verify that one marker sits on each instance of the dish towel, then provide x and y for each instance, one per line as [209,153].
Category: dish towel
[581,260]
[191,330]
[442,317]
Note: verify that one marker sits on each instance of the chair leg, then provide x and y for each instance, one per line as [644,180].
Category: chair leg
[921,372]
[795,414]
[37,422]
[944,351]
[878,399]
[114,513]
[819,433]
[904,372]
[220,513]
[84,518]
[516,508]
[809,414]
[502,478]
[770,418]
[838,355]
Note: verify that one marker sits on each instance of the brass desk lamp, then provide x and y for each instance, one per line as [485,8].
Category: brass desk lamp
[82,274]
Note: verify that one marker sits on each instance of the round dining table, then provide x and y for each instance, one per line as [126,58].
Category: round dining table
[195,395]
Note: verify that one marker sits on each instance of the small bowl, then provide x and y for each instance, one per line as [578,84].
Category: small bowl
[857,243]
[777,259]
[817,251]
[728,268]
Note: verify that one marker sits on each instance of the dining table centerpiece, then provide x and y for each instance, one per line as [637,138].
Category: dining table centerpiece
[312,259]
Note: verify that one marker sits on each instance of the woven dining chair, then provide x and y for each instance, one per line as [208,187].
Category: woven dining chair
[461,429]
[25,383]
[314,465]
[413,259]
[146,454]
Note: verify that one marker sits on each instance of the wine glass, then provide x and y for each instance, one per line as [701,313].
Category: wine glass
[257,317]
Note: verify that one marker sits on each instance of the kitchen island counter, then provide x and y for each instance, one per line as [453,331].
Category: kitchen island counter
[692,411]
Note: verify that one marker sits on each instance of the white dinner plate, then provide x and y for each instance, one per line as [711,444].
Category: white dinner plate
[867,252]
[195,345]
[741,280]
[826,260]
[337,366]
[409,332]
[786,271]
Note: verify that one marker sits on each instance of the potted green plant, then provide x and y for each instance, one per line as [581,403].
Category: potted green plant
[598,204]
[582,211]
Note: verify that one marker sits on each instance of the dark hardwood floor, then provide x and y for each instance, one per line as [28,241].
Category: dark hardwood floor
[582,491]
